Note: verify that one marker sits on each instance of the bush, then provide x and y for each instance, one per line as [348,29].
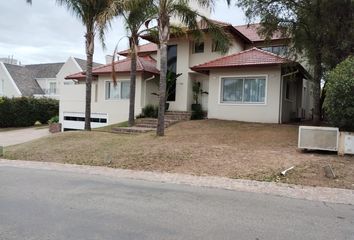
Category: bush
[150,111]
[197,112]
[54,119]
[339,102]
[25,112]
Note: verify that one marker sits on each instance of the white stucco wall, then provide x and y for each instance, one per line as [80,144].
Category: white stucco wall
[9,88]
[187,59]
[266,113]
[73,99]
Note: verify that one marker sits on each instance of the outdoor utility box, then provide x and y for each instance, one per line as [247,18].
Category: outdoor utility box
[346,143]
[318,138]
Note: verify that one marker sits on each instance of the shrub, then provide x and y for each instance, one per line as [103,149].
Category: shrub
[24,112]
[150,111]
[54,119]
[197,112]
[339,102]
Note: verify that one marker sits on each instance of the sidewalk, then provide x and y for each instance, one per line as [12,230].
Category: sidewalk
[14,137]
[332,195]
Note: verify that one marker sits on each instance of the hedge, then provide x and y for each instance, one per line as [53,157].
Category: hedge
[339,102]
[24,111]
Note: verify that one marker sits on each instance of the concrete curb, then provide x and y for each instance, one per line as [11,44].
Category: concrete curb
[331,195]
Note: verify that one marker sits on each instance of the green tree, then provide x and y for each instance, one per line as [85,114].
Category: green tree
[181,10]
[91,14]
[339,103]
[321,30]
[135,14]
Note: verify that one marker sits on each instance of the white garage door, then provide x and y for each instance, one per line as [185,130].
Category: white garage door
[76,120]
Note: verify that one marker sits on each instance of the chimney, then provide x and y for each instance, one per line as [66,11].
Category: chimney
[109,59]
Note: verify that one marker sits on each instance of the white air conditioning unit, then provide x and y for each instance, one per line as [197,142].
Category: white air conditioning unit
[318,138]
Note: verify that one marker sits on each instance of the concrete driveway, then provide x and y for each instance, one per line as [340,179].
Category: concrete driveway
[14,137]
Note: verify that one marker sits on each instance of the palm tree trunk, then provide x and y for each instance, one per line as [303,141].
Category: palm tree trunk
[133,47]
[89,54]
[317,88]
[163,37]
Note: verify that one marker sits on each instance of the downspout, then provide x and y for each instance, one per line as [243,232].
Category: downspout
[281,94]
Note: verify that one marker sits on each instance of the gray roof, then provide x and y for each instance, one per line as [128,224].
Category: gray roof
[46,70]
[82,64]
[24,79]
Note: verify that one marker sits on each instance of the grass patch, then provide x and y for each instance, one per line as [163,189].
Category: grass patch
[205,147]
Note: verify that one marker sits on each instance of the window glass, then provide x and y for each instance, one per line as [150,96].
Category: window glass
[125,89]
[112,92]
[244,90]
[198,47]
[215,47]
[232,90]
[254,90]
[172,67]
[52,88]
[279,50]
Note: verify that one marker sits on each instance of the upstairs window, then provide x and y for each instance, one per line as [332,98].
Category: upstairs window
[215,47]
[52,88]
[198,47]
[279,50]
[120,91]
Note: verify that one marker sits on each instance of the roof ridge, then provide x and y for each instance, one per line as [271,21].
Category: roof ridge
[37,64]
[107,64]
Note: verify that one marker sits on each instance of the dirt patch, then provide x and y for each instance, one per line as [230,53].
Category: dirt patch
[207,147]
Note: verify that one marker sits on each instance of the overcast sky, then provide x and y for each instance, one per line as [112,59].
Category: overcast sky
[45,32]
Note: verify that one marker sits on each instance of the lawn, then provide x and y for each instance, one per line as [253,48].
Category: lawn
[207,147]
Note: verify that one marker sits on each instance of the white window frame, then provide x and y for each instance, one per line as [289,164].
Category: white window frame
[220,102]
[2,85]
[56,87]
[119,85]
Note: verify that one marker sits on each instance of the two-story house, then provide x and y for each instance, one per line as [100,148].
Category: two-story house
[253,82]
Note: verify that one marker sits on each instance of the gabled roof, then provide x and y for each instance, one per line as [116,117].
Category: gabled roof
[144,64]
[251,32]
[142,49]
[46,70]
[250,57]
[82,63]
[24,79]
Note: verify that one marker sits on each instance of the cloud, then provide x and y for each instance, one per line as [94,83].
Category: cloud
[46,32]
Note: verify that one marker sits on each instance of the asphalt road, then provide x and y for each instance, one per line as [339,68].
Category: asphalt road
[41,204]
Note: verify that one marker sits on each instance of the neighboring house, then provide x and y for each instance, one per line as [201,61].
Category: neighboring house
[253,82]
[37,80]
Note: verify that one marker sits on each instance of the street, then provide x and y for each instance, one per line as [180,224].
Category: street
[44,204]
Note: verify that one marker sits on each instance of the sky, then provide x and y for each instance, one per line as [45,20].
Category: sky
[46,32]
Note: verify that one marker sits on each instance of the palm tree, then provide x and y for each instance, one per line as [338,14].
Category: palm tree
[135,14]
[89,12]
[180,9]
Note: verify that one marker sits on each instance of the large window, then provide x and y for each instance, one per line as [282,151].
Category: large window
[243,89]
[119,91]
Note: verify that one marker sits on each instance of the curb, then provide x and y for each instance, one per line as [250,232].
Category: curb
[323,194]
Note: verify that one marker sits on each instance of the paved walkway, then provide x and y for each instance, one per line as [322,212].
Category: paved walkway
[14,137]
[331,195]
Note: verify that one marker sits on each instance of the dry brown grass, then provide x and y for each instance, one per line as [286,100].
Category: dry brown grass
[208,147]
